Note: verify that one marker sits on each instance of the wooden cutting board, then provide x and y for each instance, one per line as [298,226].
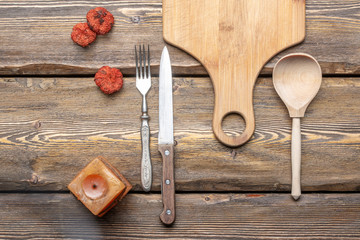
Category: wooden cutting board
[233,39]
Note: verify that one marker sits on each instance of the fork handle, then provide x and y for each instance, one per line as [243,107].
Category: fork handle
[146,168]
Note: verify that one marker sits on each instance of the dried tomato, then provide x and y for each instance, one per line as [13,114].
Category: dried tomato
[100,20]
[109,79]
[82,34]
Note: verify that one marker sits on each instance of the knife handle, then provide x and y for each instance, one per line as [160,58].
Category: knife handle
[146,169]
[168,184]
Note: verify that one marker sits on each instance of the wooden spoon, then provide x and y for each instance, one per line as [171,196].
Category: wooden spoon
[297,79]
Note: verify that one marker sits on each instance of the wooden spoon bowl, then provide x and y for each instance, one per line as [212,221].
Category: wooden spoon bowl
[297,79]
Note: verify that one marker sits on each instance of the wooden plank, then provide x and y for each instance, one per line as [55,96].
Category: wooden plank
[36,39]
[50,128]
[200,216]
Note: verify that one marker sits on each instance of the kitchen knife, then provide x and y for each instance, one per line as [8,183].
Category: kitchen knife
[166,138]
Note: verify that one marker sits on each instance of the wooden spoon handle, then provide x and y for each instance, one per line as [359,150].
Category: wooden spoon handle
[168,184]
[296,158]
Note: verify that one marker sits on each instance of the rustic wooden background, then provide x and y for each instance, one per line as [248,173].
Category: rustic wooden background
[54,120]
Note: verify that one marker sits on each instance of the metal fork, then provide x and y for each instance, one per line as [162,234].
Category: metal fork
[143,84]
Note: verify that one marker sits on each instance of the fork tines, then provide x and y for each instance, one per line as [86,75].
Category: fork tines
[143,71]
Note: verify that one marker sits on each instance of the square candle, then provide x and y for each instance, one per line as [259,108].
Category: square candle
[99,186]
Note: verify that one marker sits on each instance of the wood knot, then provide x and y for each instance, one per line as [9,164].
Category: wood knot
[135,19]
[226,27]
[233,154]
[34,179]
[37,124]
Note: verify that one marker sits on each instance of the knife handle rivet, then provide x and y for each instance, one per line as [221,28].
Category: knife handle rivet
[167,181]
[167,152]
[168,212]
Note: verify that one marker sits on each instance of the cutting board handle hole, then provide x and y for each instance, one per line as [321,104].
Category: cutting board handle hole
[233,124]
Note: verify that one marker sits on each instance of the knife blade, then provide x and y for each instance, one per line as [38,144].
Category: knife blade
[166,138]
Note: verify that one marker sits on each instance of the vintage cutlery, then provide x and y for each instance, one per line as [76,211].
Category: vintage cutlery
[143,84]
[166,138]
[297,79]
[233,39]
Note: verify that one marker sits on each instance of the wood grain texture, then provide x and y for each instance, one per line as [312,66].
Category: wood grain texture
[233,40]
[200,216]
[35,37]
[50,128]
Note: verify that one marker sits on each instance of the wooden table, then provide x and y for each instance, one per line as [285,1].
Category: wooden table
[54,120]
